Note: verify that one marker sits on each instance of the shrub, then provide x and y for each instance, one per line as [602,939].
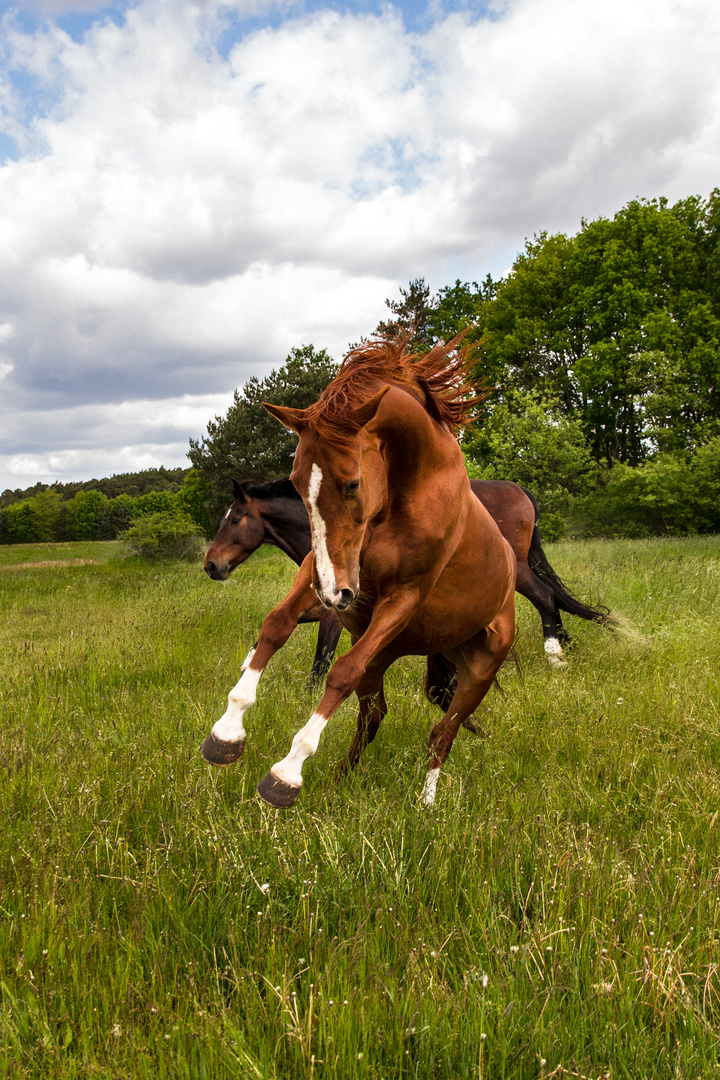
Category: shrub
[552,526]
[165,535]
[665,495]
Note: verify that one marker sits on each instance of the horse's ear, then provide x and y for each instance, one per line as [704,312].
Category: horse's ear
[239,490]
[364,413]
[291,418]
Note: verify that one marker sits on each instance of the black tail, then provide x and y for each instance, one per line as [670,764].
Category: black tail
[440,681]
[566,601]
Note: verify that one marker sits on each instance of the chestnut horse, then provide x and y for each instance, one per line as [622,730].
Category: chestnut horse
[410,560]
[273,513]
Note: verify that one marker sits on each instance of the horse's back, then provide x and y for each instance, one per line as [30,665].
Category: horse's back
[512,509]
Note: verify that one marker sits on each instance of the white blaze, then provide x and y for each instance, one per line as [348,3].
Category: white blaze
[323,564]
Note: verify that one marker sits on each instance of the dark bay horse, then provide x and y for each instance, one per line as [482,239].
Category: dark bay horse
[402,551]
[274,513]
[271,513]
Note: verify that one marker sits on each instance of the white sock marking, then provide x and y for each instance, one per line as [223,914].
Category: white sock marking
[304,745]
[430,786]
[554,652]
[229,728]
[323,563]
[246,661]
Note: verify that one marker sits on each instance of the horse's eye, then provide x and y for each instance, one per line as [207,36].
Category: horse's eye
[234,521]
[351,487]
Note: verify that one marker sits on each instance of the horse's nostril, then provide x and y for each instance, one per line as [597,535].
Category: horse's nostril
[346,598]
[210,567]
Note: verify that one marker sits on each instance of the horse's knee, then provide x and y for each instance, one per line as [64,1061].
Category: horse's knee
[343,677]
[276,629]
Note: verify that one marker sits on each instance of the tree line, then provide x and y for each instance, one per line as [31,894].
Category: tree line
[603,349]
[138,483]
[89,514]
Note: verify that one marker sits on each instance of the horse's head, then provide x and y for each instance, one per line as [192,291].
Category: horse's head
[240,533]
[343,484]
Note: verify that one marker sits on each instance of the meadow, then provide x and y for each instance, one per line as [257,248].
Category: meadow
[556,914]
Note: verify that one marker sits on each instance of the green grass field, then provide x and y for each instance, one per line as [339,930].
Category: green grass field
[556,914]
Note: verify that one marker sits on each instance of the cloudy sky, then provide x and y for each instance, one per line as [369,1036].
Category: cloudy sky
[188,189]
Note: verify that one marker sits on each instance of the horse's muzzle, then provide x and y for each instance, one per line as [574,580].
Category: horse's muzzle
[337,601]
[217,572]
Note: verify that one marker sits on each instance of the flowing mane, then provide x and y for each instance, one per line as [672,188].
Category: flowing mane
[441,381]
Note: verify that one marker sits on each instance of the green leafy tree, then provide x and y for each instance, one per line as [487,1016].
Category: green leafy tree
[20,524]
[248,442]
[412,315]
[705,487]
[84,515]
[38,519]
[116,516]
[530,440]
[458,306]
[154,502]
[193,497]
[620,323]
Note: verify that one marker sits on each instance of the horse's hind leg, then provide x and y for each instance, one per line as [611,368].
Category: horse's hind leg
[542,597]
[440,685]
[373,708]
[478,661]
[329,631]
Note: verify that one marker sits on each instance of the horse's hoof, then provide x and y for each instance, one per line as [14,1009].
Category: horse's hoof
[218,752]
[276,792]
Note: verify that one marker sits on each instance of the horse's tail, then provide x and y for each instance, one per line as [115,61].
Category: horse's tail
[440,681]
[565,599]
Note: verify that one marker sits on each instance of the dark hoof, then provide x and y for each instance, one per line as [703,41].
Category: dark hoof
[276,792]
[218,752]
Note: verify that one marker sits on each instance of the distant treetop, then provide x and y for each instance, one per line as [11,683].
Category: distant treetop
[137,483]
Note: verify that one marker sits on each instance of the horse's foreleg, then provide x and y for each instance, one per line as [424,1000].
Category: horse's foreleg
[226,740]
[280,787]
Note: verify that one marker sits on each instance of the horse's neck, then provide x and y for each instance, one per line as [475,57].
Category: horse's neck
[287,527]
[417,451]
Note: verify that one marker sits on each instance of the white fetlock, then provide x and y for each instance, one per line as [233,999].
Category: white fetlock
[554,652]
[230,727]
[304,745]
[430,787]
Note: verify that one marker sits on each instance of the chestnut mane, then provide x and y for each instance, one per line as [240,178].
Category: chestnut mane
[440,379]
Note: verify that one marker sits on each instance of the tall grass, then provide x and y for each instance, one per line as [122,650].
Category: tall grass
[556,914]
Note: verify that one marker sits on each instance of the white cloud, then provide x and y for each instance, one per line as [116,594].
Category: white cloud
[25,470]
[184,219]
[99,440]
